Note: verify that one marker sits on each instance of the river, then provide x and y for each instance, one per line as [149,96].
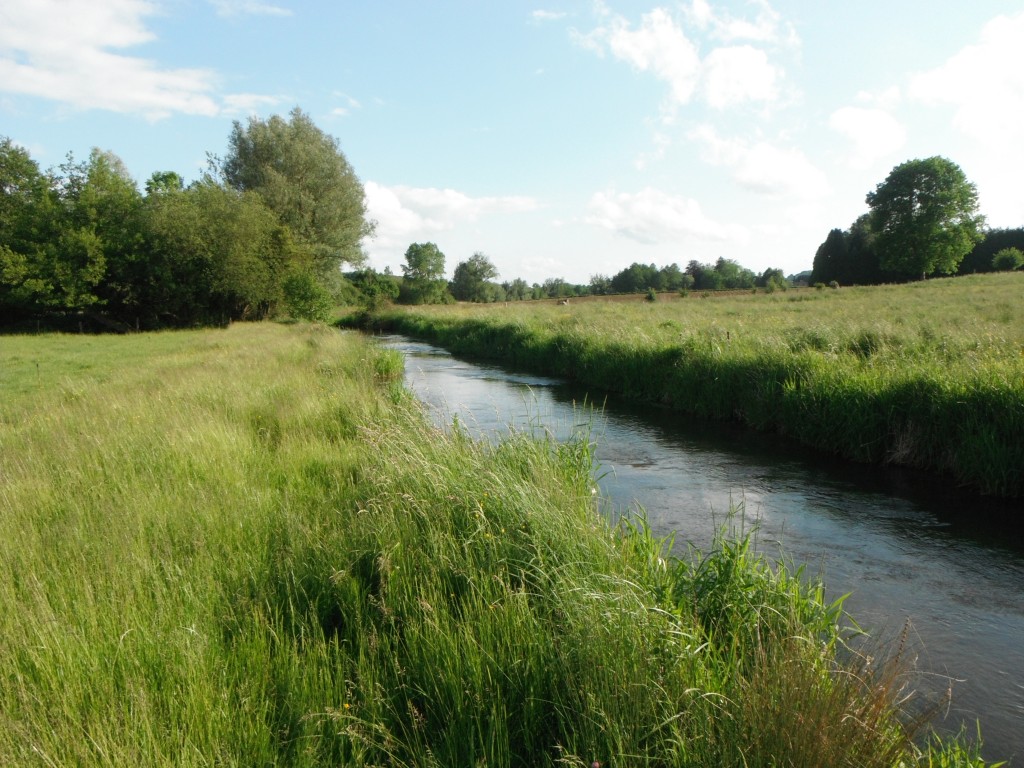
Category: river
[906,546]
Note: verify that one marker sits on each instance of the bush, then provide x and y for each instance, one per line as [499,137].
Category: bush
[1007,260]
[305,298]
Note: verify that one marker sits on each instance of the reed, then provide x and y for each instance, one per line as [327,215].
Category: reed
[249,547]
[928,375]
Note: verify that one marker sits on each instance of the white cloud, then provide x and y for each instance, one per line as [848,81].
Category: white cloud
[651,216]
[248,7]
[984,86]
[874,132]
[659,46]
[726,76]
[763,167]
[984,83]
[738,74]
[67,51]
[410,214]
[766,27]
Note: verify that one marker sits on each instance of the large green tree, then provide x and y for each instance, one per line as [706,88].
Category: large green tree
[302,175]
[925,218]
[424,275]
[471,279]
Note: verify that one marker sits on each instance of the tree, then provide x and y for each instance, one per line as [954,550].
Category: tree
[772,280]
[924,217]
[305,298]
[216,254]
[672,278]
[302,175]
[733,276]
[110,206]
[470,281]
[848,257]
[424,275]
[163,182]
[829,256]
[517,290]
[600,285]
[375,288]
[27,211]
[556,288]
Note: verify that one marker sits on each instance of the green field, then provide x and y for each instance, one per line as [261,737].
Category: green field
[248,547]
[928,375]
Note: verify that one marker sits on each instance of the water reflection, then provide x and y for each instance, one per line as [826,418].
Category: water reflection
[906,546]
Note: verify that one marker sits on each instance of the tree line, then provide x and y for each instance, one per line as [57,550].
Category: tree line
[265,230]
[475,280]
[268,229]
[922,220]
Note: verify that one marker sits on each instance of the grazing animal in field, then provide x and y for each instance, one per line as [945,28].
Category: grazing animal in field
[563,303]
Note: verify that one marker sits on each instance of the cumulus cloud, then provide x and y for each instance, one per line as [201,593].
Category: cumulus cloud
[763,167]
[874,133]
[651,216]
[70,51]
[409,214]
[661,44]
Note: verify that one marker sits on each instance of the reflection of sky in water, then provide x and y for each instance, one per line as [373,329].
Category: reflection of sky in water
[896,552]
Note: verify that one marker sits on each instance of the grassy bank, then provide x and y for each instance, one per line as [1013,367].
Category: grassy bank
[247,547]
[927,375]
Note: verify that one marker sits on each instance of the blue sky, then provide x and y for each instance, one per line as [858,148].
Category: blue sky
[561,138]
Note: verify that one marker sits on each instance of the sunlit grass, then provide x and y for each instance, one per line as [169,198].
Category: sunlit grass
[248,547]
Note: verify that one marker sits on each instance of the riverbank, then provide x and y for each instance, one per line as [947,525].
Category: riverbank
[247,546]
[927,375]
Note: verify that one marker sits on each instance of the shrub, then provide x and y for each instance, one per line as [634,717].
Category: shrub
[1008,259]
[305,298]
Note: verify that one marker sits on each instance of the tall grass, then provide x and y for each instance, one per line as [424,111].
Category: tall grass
[929,375]
[248,547]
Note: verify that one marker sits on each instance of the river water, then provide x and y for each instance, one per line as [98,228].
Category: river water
[905,546]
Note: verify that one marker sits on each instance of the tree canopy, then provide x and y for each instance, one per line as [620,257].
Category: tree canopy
[302,175]
[924,217]
[471,279]
[848,257]
[263,233]
[424,275]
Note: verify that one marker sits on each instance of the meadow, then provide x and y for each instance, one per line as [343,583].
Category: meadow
[247,546]
[927,375]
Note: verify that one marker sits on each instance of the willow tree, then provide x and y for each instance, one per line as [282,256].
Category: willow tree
[924,217]
[304,178]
